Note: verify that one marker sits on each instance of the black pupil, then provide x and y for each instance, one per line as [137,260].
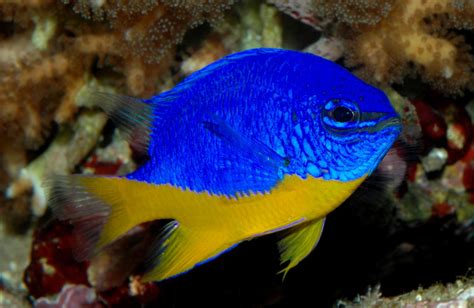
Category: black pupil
[342,114]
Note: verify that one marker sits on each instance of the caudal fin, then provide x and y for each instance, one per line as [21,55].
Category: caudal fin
[93,205]
[104,208]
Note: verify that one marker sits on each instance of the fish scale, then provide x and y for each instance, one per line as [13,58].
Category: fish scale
[250,145]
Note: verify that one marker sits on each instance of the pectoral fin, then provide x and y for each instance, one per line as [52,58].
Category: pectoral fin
[299,243]
[258,151]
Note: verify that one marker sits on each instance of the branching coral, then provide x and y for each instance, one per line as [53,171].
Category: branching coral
[418,34]
[303,10]
[48,52]
[354,11]
[457,294]
[61,157]
[148,29]
[387,40]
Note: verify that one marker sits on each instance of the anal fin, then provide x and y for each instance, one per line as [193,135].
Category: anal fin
[299,243]
[181,248]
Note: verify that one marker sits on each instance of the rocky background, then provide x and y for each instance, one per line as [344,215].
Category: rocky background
[405,239]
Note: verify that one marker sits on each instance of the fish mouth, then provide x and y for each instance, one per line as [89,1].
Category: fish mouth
[388,121]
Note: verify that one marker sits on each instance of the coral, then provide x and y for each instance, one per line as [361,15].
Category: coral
[435,160]
[54,270]
[304,10]
[48,53]
[327,47]
[446,124]
[412,128]
[458,294]
[354,11]
[261,26]
[254,25]
[13,260]
[439,185]
[418,34]
[410,230]
[71,296]
[388,40]
[432,122]
[459,132]
[61,157]
[211,50]
[149,29]
[468,174]
[8,299]
[115,158]
[52,263]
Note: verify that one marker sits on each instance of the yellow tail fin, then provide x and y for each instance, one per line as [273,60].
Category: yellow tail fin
[104,208]
[95,206]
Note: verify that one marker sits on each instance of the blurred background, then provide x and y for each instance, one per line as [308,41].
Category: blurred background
[405,238]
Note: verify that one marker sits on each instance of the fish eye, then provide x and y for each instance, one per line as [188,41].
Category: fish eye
[343,114]
[340,114]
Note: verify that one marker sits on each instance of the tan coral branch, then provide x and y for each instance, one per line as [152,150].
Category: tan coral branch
[57,65]
[416,32]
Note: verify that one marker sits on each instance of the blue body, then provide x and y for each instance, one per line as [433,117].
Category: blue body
[268,99]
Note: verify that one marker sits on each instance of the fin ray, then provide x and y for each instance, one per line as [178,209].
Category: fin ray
[299,243]
[97,219]
[260,152]
[132,116]
[182,249]
[71,202]
[158,246]
[102,210]
[255,166]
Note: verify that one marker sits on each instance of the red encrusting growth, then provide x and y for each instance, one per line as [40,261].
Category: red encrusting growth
[459,132]
[131,295]
[441,210]
[102,168]
[468,175]
[432,123]
[52,262]
[53,266]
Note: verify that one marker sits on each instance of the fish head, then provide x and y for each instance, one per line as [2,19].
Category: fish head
[356,130]
[349,127]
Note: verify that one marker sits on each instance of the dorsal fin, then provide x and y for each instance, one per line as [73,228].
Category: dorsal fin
[132,116]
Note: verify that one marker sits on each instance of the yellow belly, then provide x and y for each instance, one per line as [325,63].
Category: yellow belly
[210,224]
[292,200]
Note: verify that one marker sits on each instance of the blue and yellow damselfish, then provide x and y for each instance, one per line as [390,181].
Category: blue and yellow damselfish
[260,141]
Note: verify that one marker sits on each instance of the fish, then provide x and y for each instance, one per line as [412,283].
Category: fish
[260,141]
